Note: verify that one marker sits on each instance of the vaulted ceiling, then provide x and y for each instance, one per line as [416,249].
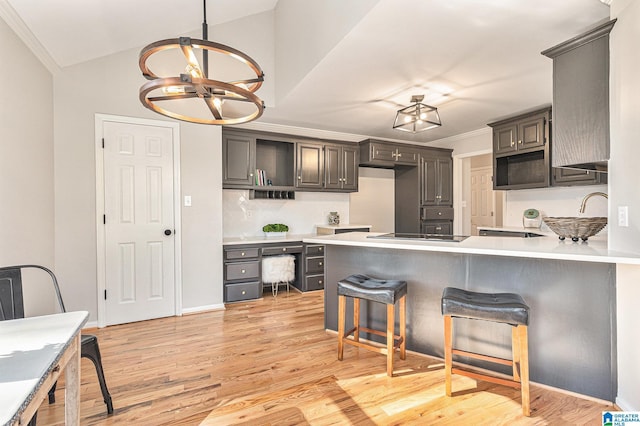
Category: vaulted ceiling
[349,65]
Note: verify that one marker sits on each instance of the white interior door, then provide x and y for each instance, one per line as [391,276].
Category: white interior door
[482,199]
[139,222]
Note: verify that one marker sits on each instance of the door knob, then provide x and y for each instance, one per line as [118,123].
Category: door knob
[167,232]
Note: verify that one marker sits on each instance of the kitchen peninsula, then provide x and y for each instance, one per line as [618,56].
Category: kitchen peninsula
[570,288]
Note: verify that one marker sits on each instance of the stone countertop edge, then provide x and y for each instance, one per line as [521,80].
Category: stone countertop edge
[547,247]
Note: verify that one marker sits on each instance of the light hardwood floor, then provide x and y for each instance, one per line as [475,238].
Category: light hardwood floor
[271,362]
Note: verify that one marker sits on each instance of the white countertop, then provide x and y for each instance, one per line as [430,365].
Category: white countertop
[547,247]
[257,239]
[29,349]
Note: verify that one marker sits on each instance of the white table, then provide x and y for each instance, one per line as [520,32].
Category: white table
[33,351]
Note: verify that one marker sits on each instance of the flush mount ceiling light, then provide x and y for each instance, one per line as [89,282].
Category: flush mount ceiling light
[193,95]
[417,117]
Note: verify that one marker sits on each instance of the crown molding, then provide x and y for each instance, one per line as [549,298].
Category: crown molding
[15,22]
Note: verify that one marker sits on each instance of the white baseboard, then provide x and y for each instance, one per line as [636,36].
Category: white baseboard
[625,406]
[198,309]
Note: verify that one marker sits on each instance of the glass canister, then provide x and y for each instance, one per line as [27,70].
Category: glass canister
[334,218]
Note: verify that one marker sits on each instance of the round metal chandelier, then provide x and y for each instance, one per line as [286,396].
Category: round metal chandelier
[218,102]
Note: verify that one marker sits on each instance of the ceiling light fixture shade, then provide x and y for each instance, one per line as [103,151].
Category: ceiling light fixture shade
[417,117]
[192,95]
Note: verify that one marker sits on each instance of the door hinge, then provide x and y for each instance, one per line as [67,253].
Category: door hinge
[105,294]
[104,219]
[102,143]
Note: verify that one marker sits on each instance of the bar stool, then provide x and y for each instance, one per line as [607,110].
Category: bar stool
[382,291]
[507,308]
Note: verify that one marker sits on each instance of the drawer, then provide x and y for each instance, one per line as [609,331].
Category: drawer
[246,253]
[314,265]
[242,291]
[437,213]
[314,282]
[314,250]
[242,271]
[270,251]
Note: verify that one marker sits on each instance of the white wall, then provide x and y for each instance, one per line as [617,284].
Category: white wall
[374,203]
[244,217]
[623,183]
[110,85]
[26,160]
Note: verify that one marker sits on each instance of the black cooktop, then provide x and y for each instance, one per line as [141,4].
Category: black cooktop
[420,237]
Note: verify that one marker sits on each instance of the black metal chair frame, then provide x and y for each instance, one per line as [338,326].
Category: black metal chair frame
[15,309]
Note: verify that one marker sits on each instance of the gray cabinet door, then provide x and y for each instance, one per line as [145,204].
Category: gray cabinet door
[332,167]
[429,181]
[577,177]
[531,133]
[504,138]
[310,166]
[445,176]
[350,160]
[437,181]
[238,161]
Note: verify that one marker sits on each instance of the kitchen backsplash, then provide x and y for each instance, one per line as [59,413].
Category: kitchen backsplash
[560,201]
[245,218]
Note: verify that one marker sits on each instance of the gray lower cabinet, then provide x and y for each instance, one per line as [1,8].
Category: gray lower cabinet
[243,268]
[241,274]
[314,264]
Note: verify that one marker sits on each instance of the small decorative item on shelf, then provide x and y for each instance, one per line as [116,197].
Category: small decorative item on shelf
[334,218]
[275,230]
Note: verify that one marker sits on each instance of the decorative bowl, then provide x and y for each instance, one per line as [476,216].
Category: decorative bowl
[575,228]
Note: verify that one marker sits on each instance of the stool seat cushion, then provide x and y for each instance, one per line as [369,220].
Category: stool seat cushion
[507,308]
[365,287]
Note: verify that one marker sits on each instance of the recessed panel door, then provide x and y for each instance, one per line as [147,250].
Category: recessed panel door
[139,222]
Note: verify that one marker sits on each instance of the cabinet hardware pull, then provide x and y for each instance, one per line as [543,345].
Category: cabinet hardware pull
[319,263]
[512,143]
[242,254]
[299,177]
[242,271]
[520,142]
[244,292]
[284,249]
[439,213]
[320,249]
[319,281]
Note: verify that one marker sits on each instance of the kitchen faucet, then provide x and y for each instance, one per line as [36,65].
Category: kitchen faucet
[586,197]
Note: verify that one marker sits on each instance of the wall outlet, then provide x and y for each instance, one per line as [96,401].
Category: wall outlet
[623,216]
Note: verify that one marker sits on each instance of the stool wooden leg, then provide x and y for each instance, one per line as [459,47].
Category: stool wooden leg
[448,341]
[524,368]
[515,348]
[356,319]
[403,327]
[342,307]
[391,320]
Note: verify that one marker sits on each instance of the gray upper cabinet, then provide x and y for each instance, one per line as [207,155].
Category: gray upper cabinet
[581,100]
[437,181]
[375,153]
[238,158]
[341,167]
[521,151]
[275,165]
[524,135]
[310,166]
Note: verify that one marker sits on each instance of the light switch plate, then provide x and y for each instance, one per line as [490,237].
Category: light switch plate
[623,216]
[187,200]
